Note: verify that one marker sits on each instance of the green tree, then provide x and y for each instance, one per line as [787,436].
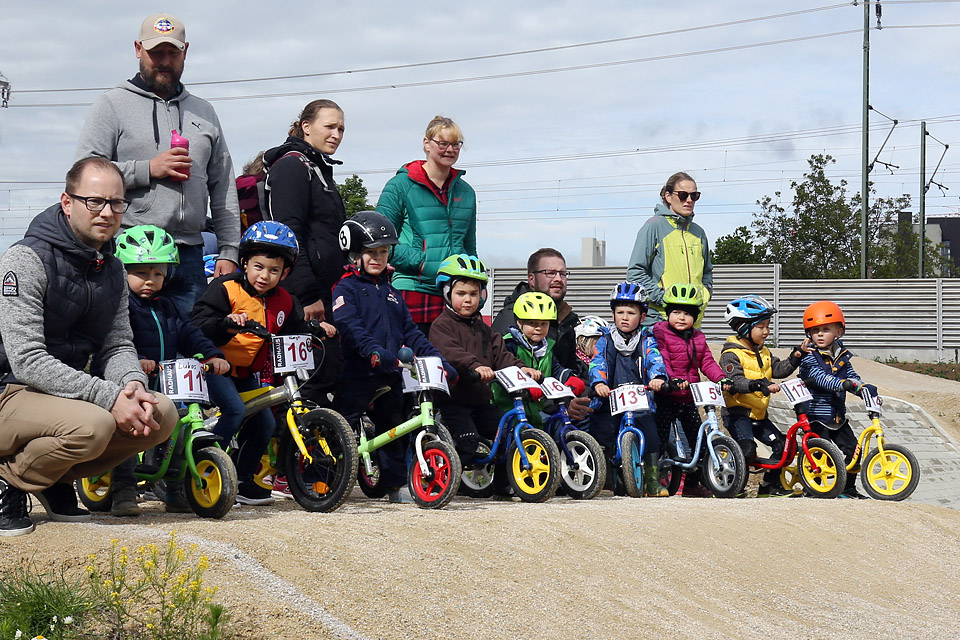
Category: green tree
[354,195]
[739,247]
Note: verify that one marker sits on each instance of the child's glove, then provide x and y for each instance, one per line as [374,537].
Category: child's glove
[452,375]
[384,359]
[576,385]
[758,385]
[536,394]
[853,386]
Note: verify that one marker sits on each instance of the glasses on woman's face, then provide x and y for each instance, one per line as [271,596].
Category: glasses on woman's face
[444,145]
[683,195]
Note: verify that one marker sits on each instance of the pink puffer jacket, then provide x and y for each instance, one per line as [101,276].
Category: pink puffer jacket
[685,358]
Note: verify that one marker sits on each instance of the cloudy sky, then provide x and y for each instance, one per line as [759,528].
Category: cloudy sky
[570,137]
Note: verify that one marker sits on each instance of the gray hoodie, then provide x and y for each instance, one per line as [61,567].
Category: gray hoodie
[130,126]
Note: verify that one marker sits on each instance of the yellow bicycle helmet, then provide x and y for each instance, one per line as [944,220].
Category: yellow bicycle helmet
[534,305]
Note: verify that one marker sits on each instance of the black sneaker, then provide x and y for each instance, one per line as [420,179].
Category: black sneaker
[14,520]
[249,492]
[60,501]
[853,493]
[177,498]
[772,491]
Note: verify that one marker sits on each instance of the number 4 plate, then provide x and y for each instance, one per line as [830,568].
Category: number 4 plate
[182,380]
[706,394]
[292,352]
[629,397]
[513,379]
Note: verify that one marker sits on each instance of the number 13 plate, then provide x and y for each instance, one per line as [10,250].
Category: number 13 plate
[629,397]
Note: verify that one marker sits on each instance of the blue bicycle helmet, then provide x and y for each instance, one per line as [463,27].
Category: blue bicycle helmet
[743,314]
[270,236]
[632,292]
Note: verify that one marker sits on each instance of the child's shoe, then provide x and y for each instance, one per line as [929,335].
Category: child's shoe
[651,478]
[124,500]
[280,488]
[773,491]
[176,501]
[400,495]
[249,492]
[696,491]
[851,492]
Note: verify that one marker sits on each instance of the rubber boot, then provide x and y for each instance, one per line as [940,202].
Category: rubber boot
[123,489]
[651,477]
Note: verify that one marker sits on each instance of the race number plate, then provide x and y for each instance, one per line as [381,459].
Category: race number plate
[410,384]
[629,397]
[292,352]
[706,394]
[431,374]
[182,380]
[872,402]
[513,379]
[795,391]
[554,389]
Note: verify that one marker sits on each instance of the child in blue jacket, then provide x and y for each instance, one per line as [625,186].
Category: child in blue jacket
[159,333]
[374,324]
[829,376]
[628,355]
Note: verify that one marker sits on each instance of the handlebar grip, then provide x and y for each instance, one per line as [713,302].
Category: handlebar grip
[405,355]
[471,376]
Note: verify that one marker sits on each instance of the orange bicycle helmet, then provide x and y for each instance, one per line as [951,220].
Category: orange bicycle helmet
[823,312]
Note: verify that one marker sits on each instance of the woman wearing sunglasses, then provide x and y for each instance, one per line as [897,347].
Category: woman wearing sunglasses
[435,213]
[671,248]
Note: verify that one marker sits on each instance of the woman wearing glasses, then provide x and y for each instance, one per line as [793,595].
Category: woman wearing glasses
[435,213]
[671,248]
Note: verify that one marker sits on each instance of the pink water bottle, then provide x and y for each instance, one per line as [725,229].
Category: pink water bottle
[178,141]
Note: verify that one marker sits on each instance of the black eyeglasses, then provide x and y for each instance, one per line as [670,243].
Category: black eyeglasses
[553,273]
[693,195]
[96,205]
[444,145]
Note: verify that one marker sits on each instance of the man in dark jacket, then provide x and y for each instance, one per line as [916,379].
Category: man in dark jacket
[64,299]
[547,273]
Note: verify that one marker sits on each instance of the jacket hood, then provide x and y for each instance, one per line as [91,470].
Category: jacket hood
[298,144]
[417,173]
[733,342]
[665,211]
[134,85]
[53,226]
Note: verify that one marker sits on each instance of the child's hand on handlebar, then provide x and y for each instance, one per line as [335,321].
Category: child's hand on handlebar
[536,374]
[218,366]
[485,373]
[328,329]
[238,319]
[657,383]
[148,366]
[602,390]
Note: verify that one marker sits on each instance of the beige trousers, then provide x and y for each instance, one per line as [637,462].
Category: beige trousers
[45,439]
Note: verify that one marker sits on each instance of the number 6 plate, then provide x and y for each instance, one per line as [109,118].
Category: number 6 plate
[629,397]
[182,380]
[554,389]
[292,352]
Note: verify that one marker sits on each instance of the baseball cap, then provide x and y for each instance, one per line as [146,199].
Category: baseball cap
[160,28]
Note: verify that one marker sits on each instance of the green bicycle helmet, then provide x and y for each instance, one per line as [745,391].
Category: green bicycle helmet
[534,305]
[461,267]
[683,296]
[146,244]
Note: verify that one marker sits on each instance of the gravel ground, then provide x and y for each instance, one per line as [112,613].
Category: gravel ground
[608,568]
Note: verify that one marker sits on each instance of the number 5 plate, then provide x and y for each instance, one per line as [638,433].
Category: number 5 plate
[182,380]
[706,394]
[292,352]
[629,397]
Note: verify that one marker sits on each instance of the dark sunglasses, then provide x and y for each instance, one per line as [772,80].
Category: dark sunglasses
[693,195]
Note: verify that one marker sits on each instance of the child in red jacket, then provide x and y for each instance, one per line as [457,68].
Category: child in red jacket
[685,354]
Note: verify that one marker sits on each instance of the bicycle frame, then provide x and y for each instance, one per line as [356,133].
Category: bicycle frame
[628,424]
[518,417]
[420,421]
[558,426]
[863,443]
[709,430]
[790,445]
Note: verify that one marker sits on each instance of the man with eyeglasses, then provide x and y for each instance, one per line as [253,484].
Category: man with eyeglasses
[547,273]
[136,124]
[671,248]
[64,299]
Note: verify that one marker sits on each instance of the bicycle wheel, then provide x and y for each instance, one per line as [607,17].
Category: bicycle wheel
[540,482]
[586,474]
[218,478]
[95,496]
[674,474]
[892,476]
[631,465]
[725,480]
[440,431]
[323,484]
[477,481]
[828,481]
[439,488]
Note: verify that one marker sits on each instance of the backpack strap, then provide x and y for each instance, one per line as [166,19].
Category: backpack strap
[311,167]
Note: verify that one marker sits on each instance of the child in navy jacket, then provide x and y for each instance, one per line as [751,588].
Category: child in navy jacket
[374,323]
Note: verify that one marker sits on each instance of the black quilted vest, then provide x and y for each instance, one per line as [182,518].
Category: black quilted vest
[84,290]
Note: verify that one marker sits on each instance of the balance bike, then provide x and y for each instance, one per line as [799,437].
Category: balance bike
[724,471]
[531,457]
[583,468]
[433,470]
[815,462]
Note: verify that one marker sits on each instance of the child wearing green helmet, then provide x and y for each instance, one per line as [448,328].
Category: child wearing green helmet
[471,346]
[527,339]
[160,332]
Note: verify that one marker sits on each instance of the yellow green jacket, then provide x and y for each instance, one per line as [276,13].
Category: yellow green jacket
[669,249]
[744,362]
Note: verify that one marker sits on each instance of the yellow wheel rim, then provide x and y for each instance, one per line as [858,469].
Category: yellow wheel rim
[825,478]
[212,484]
[536,479]
[265,469]
[789,477]
[97,491]
[889,473]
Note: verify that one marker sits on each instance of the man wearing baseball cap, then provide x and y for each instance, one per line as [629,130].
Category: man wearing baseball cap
[136,125]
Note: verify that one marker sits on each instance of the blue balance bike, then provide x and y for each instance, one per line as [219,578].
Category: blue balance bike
[583,468]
